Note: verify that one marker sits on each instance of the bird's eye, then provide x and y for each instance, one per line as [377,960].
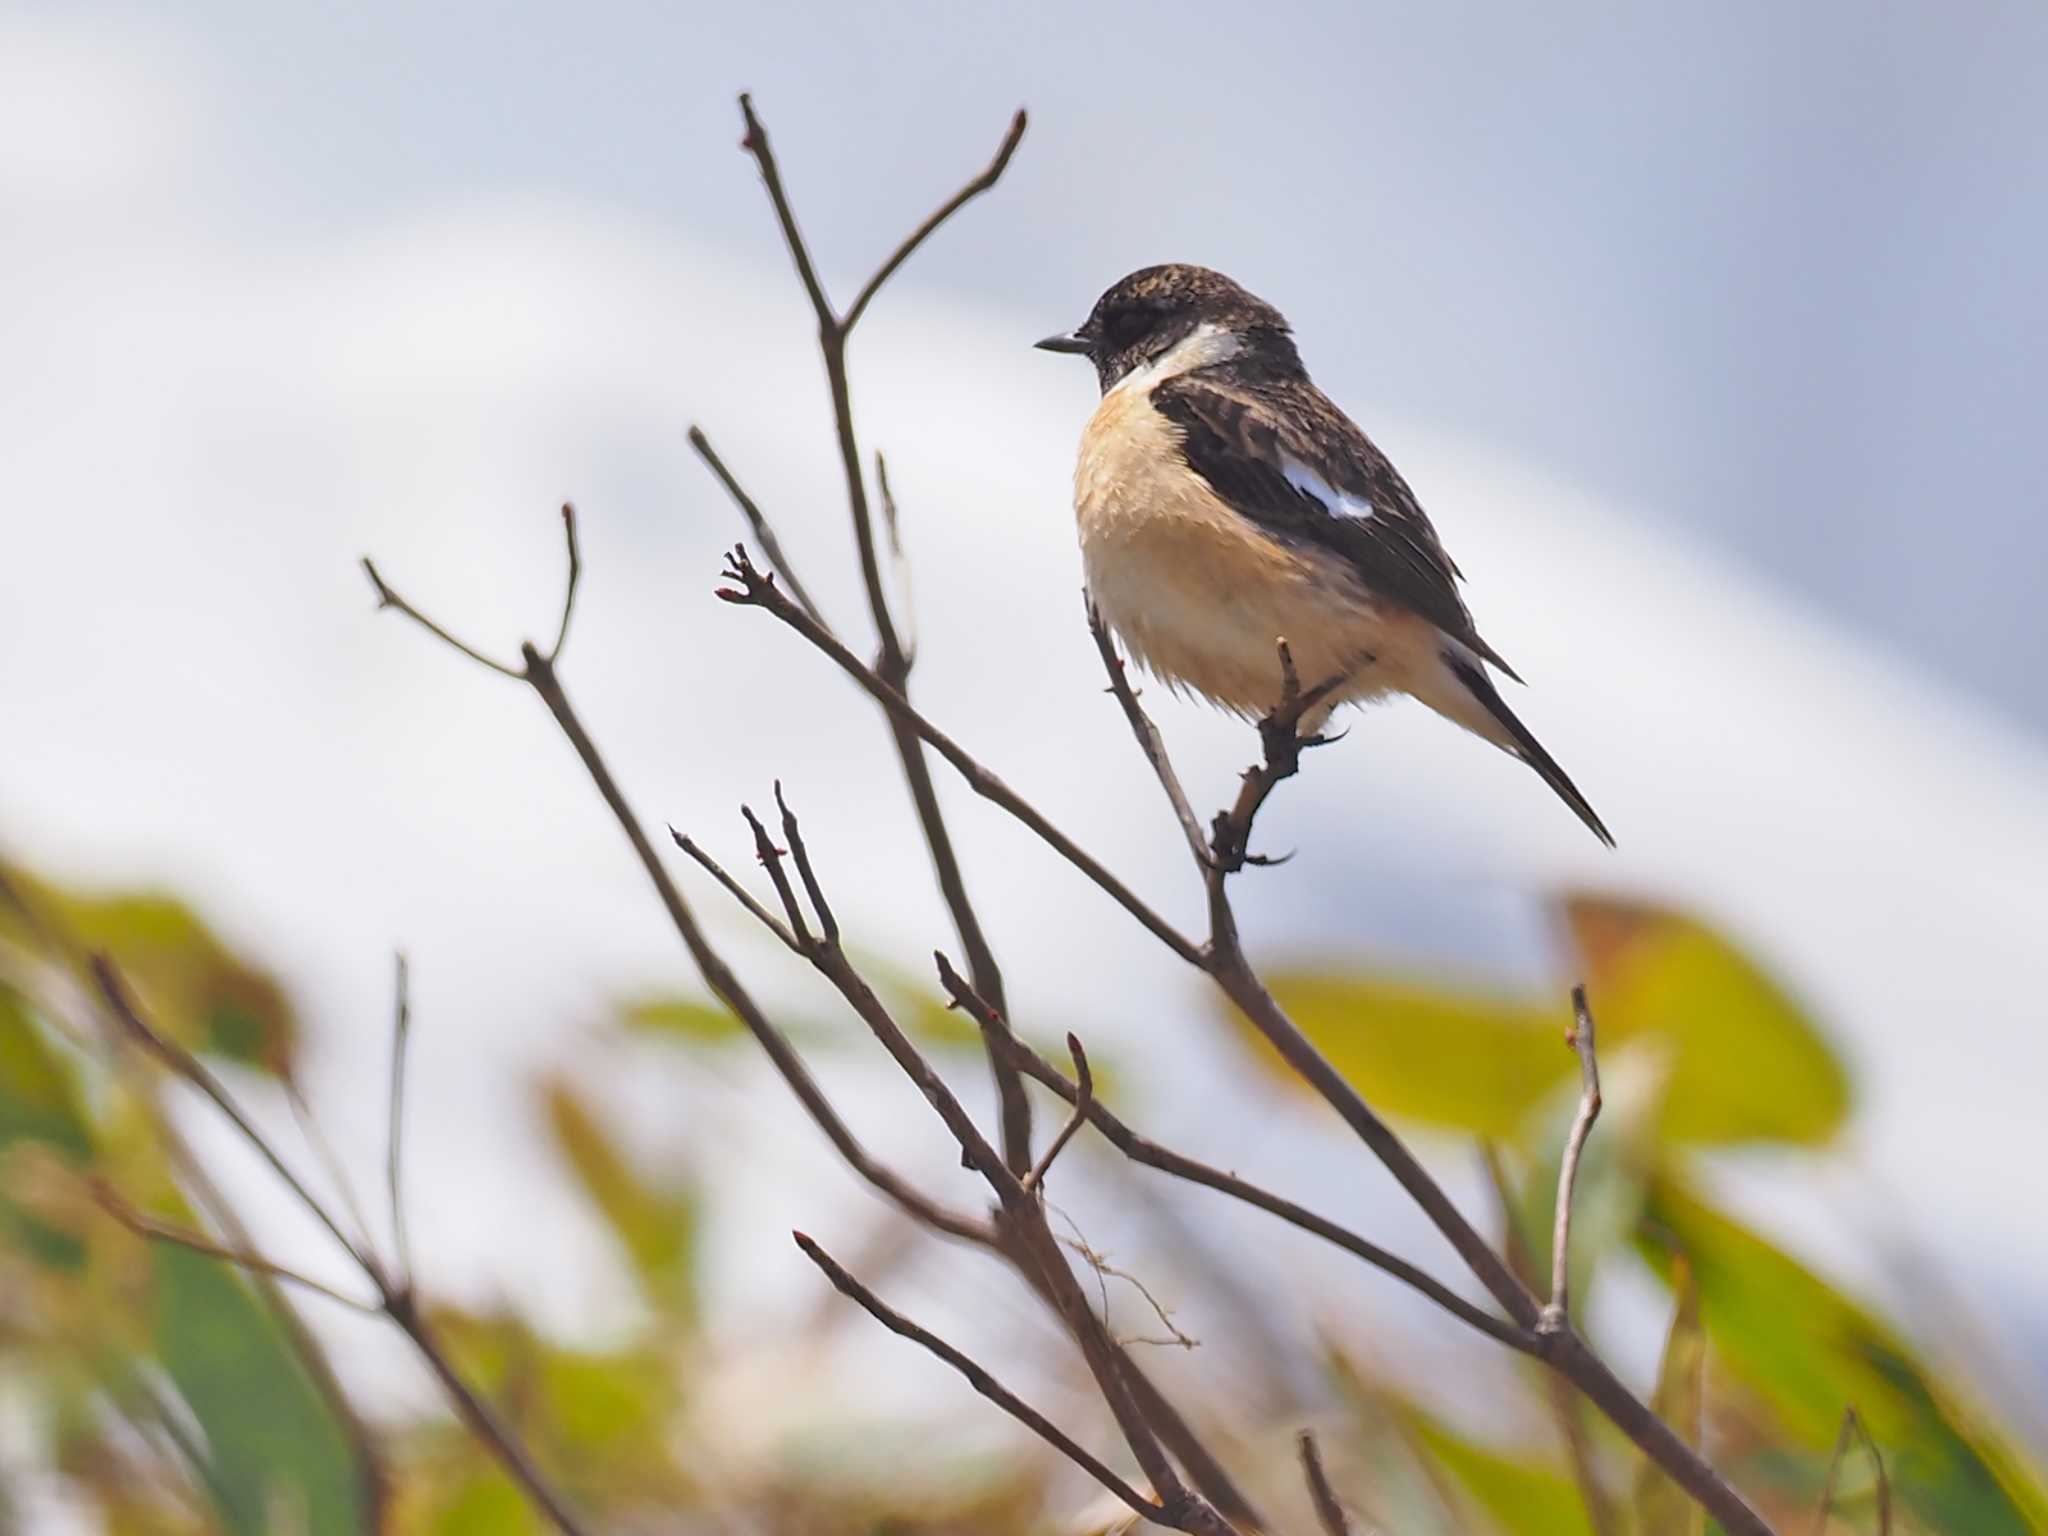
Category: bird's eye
[1126,326]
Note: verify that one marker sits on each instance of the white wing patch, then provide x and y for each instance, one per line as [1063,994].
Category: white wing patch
[1337,503]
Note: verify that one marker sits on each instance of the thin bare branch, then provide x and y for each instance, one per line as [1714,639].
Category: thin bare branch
[756,144]
[1328,1511]
[184,1237]
[1140,1149]
[980,1379]
[182,1062]
[892,525]
[575,575]
[738,892]
[322,1147]
[1084,1098]
[770,858]
[1149,740]
[1853,1428]
[980,184]
[387,598]
[895,659]
[793,835]
[401,1041]
[1580,1038]
[764,533]
[725,985]
[755,590]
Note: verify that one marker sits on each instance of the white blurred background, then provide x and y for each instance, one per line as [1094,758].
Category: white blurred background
[1707,333]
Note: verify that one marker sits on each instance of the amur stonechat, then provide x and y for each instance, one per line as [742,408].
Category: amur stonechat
[1225,504]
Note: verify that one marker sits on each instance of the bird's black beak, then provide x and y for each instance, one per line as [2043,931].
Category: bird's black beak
[1073,342]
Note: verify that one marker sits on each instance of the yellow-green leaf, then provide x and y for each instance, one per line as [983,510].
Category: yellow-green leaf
[656,1226]
[1524,1498]
[1661,1505]
[682,1018]
[1437,1053]
[1747,1063]
[1807,1352]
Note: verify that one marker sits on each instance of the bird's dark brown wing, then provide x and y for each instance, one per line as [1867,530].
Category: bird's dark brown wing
[1283,456]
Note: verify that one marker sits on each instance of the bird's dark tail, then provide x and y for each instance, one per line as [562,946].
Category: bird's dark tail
[1508,732]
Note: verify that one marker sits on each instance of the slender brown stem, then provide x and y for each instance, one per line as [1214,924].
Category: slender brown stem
[575,576]
[756,590]
[481,1419]
[980,184]
[183,1237]
[396,1299]
[1149,740]
[1084,1100]
[764,532]
[394,1161]
[979,1378]
[1558,1310]
[1853,1429]
[894,660]
[1328,1511]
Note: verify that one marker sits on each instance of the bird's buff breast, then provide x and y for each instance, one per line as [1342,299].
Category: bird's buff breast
[1198,594]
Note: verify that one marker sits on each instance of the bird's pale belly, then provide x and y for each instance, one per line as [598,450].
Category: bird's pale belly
[1201,596]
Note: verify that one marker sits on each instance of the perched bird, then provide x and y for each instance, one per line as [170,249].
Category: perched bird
[1225,504]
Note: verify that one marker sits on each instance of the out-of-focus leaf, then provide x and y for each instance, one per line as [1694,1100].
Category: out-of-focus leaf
[1439,1054]
[38,1095]
[600,1423]
[1521,1498]
[197,990]
[1477,1061]
[1614,1166]
[656,1226]
[682,1018]
[1748,1065]
[1807,1352]
[274,1441]
[484,1502]
[1661,1505]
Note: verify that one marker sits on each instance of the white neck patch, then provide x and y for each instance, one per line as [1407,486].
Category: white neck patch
[1206,344]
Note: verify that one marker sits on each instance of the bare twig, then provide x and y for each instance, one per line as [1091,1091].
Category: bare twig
[1580,1038]
[1853,1428]
[980,1379]
[945,211]
[1084,1097]
[395,1299]
[183,1237]
[1151,1154]
[895,658]
[401,1040]
[1328,1511]
[738,892]
[114,992]
[575,575]
[1149,740]
[386,598]
[322,1147]
[751,588]
[892,525]
[764,533]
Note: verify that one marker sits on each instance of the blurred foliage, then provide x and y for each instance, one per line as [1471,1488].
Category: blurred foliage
[169,1394]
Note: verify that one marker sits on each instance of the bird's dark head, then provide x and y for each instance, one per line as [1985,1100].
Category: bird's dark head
[1146,315]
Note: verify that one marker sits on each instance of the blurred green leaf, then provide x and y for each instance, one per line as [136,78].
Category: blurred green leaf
[273,1439]
[1439,1054]
[38,1095]
[1657,974]
[682,1018]
[197,990]
[1808,1352]
[1661,1505]
[657,1227]
[1479,1061]
[1520,1497]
